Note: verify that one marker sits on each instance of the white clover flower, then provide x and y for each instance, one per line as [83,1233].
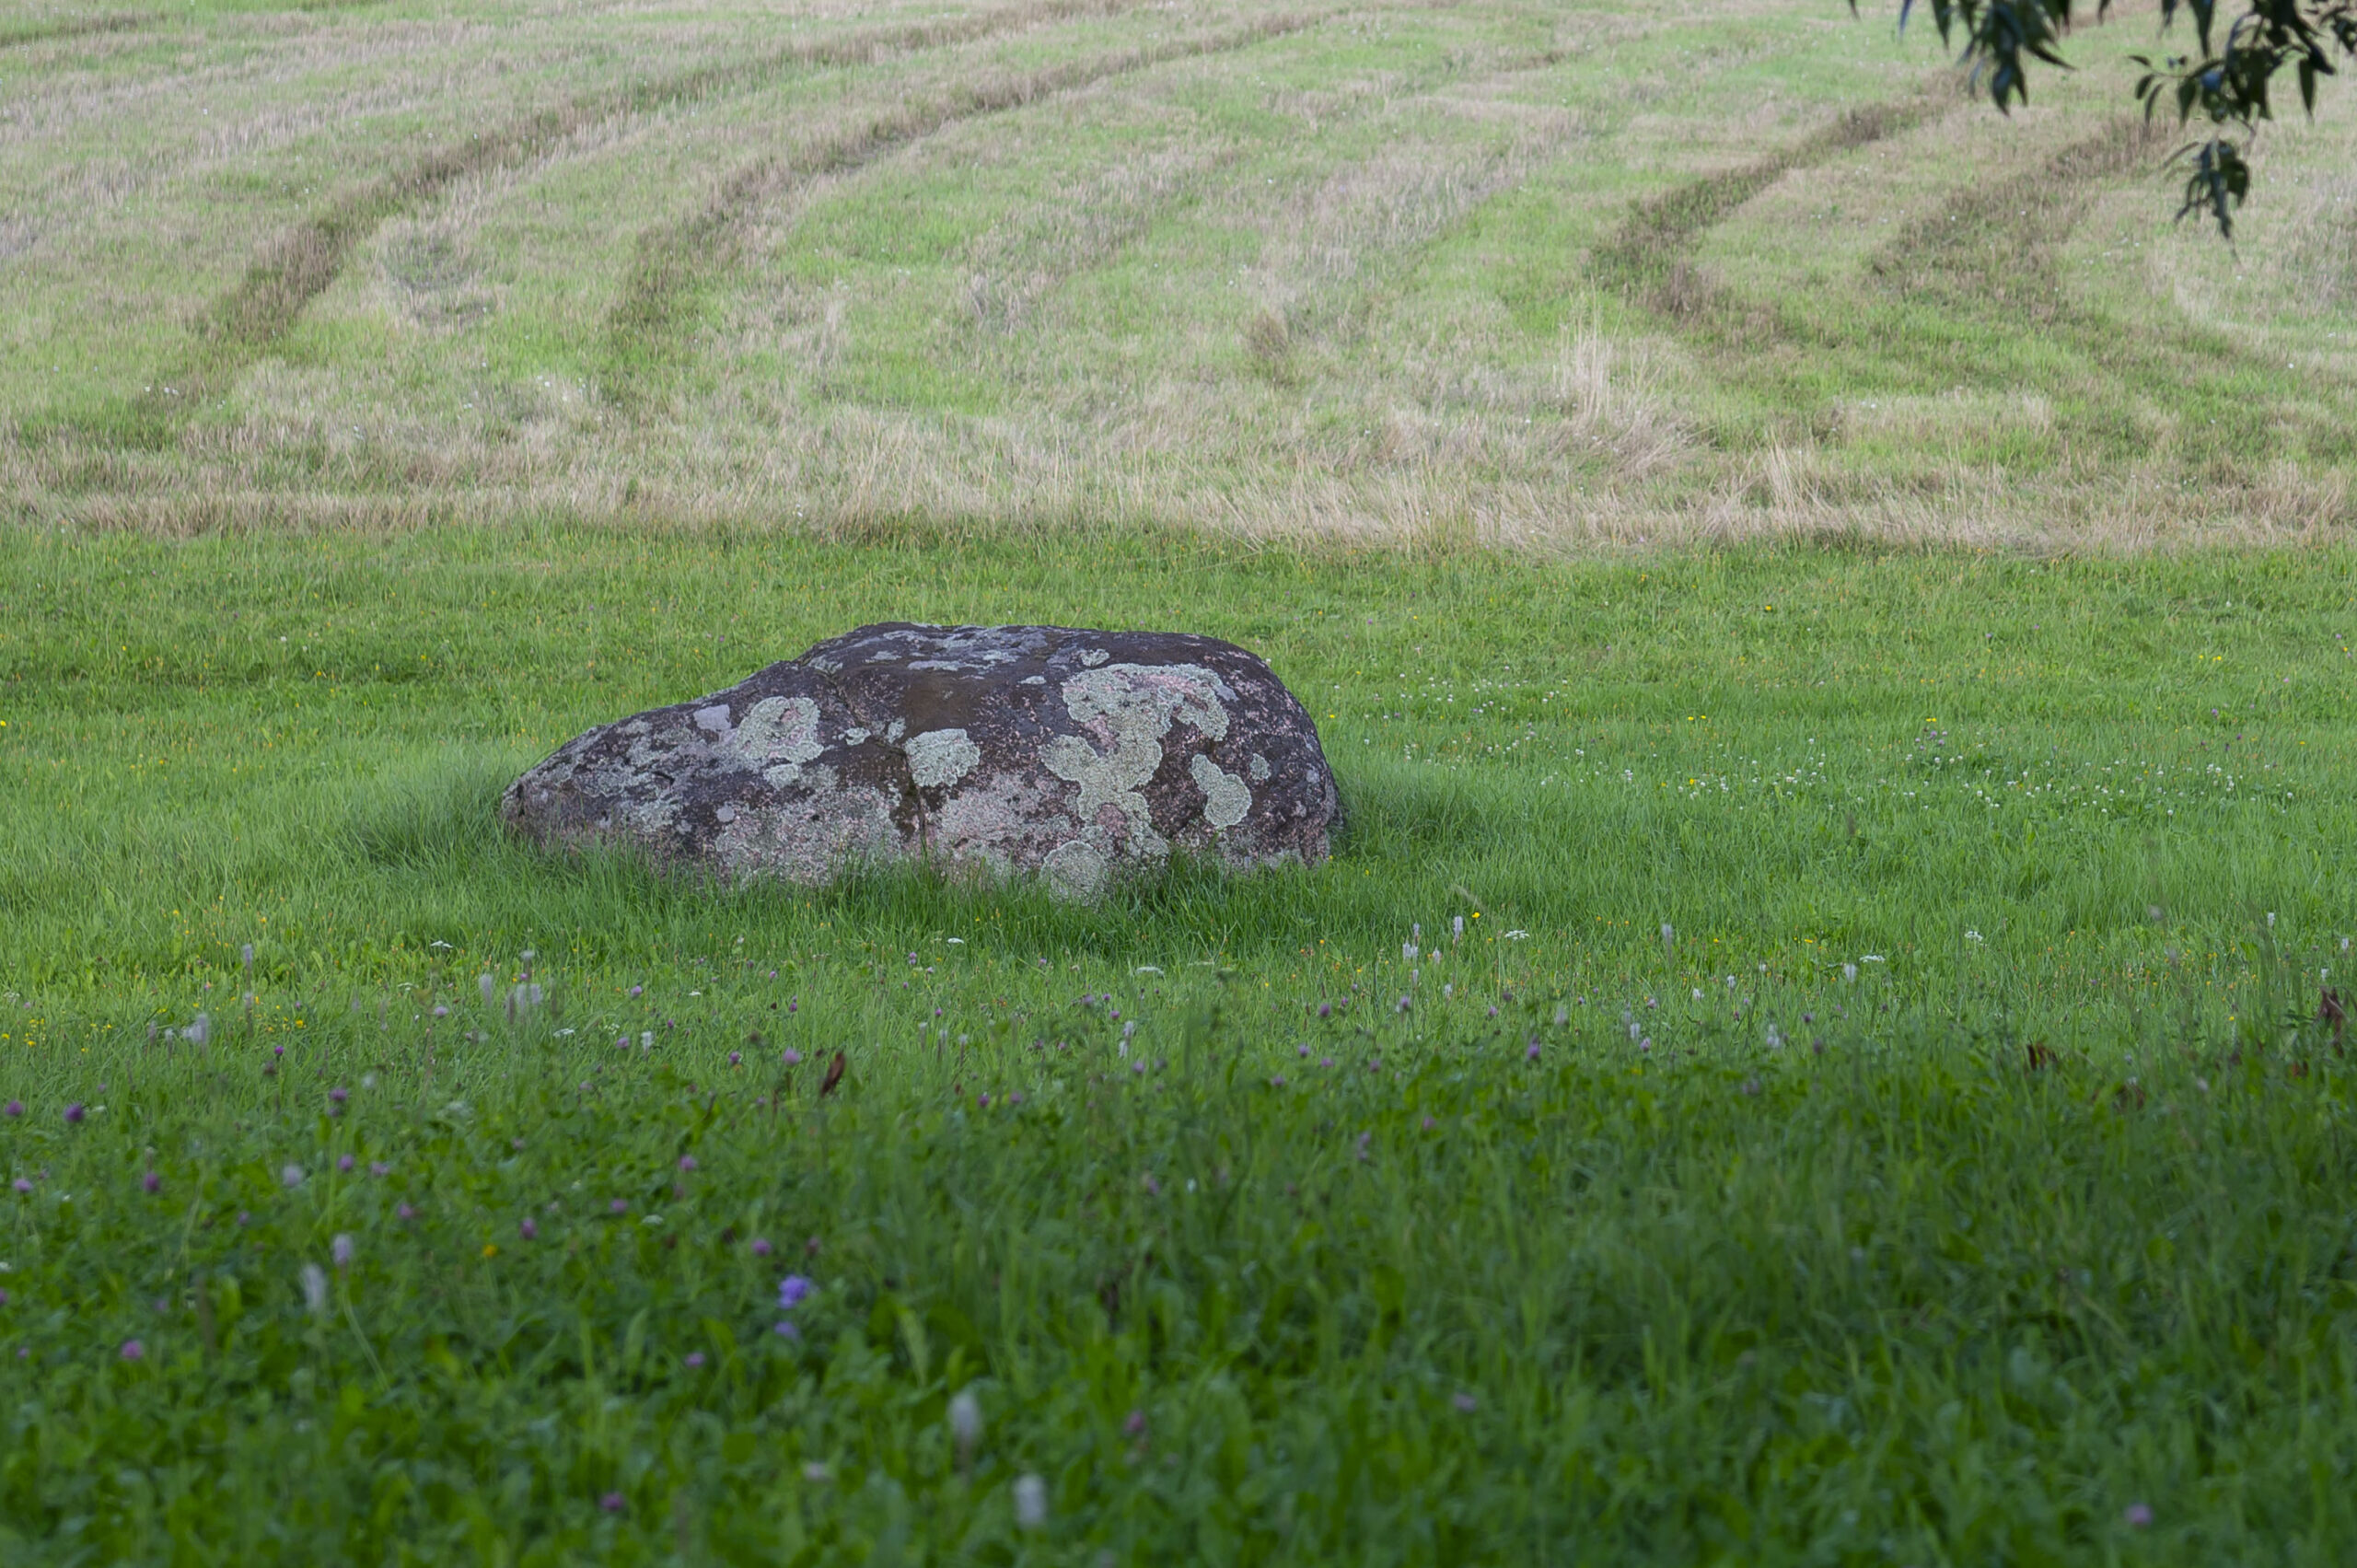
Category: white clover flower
[315,1289]
[965,1418]
[1030,1503]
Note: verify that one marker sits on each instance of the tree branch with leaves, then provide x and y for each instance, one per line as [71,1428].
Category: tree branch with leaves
[2227,87]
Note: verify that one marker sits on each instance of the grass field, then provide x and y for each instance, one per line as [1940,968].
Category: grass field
[1387,273]
[1875,1110]
[1831,620]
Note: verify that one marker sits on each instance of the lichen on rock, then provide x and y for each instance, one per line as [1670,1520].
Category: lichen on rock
[1077,755]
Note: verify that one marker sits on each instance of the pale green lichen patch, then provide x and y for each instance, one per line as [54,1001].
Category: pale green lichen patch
[775,731]
[1227,798]
[939,757]
[1075,870]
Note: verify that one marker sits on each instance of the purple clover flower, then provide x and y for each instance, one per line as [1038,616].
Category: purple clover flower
[74,1112]
[152,1182]
[16,1107]
[686,1162]
[761,1246]
[693,1360]
[792,1291]
[527,1230]
[133,1351]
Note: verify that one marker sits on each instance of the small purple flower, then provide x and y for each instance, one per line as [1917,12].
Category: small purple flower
[787,1329]
[441,1012]
[343,1162]
[1466,1403]
[1402,1005]
[636,991]
[1325,1009]
[736,1058]
[1531,1054]
[791,1005]
[2139,1515]
[686,1162]
[24,1184]
[985,1099]
[761,1246]
[527,1230]
[792,1291]
[152,1182]
[1325,1061]
[244,1219]
[339,1093]
[278,1051]
[1430,1125]
[133,1351]
[1304,1050]
[619,1206]
[1277,1082]
[74,1112]
[1135,1425]
[378,1167]
[1137,1067]
[694,1359]
[791,1057]
[16,1107]
[341,1250]
[292,1175]
[612,1502]
[405,1212]
[1015,1097]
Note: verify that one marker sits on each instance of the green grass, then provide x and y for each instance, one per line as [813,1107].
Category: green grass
[2040,1217]
[1640,272]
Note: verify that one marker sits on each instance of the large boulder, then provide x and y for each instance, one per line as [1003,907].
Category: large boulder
[999,748]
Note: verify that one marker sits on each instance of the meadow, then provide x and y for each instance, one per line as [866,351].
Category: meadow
[1541,277]
[1822,1039]
[1858,1095]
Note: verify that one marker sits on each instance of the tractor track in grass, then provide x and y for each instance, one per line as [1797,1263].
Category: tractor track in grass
[66,27]
[303,262]
[1650,256]
[1998,243]
[648,326]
